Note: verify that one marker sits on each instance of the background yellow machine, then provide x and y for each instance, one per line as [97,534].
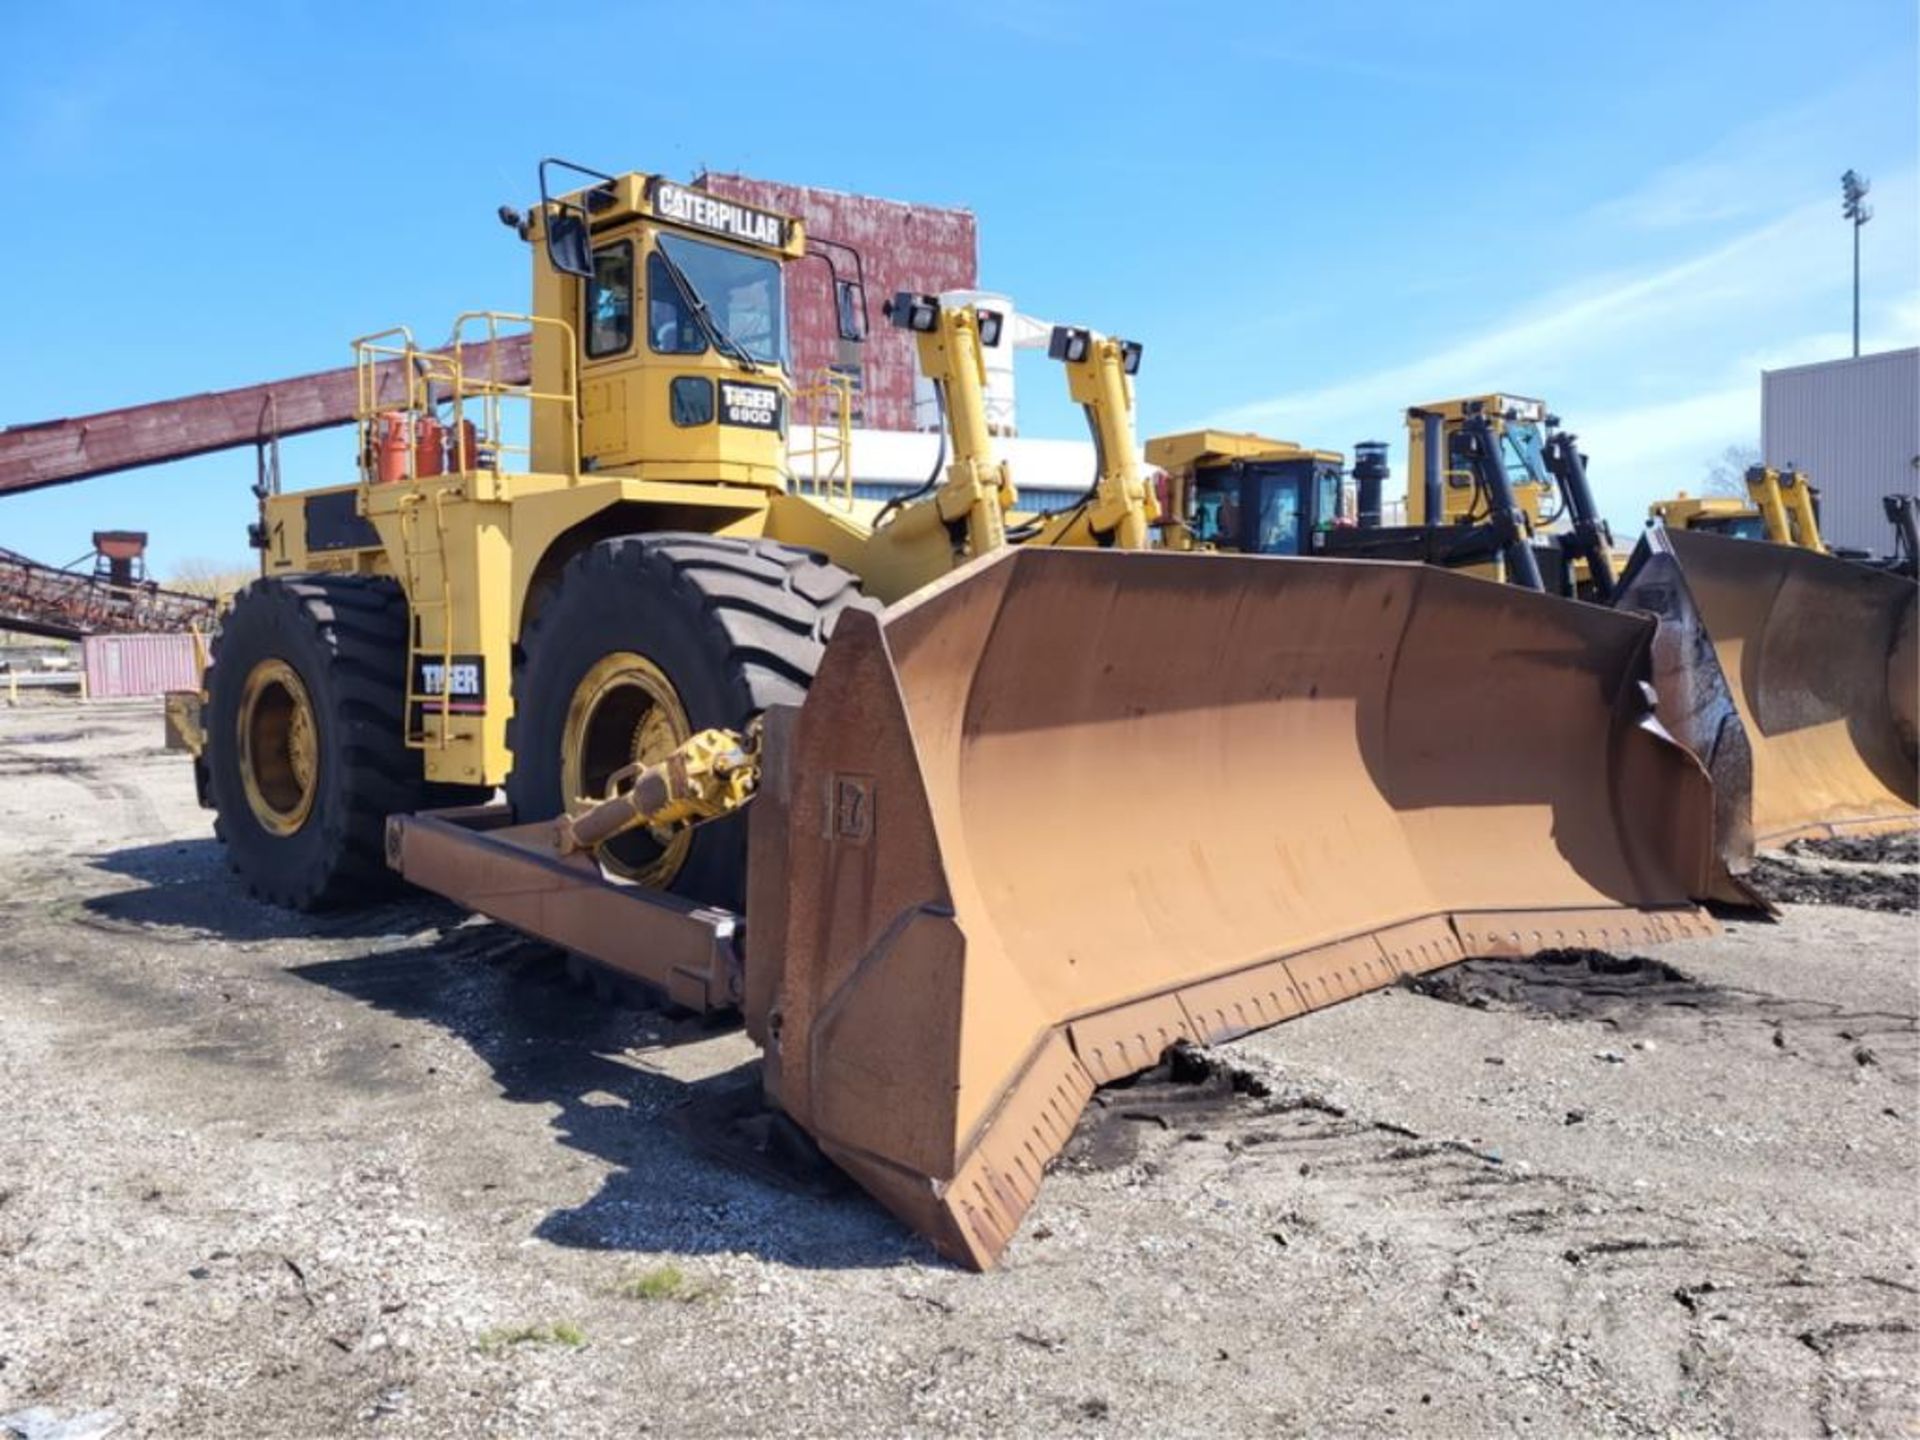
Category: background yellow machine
[1495,489]
[1781,506]
[1249,494]
[893,781]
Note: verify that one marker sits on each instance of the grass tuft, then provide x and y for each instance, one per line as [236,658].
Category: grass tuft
[505,1337]
[663,1282]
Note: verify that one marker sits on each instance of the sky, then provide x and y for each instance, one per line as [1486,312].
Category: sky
[1312,216]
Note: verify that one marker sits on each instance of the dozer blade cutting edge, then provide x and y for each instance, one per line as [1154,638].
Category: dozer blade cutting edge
[1034,824]
[1792,675]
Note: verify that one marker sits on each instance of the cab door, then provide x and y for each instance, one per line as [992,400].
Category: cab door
[609,335]
[1276,508]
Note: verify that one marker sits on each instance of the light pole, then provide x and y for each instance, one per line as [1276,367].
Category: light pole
[1853,189]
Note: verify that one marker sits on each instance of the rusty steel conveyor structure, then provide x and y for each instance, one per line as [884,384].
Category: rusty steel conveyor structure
[37,599]
[60,452]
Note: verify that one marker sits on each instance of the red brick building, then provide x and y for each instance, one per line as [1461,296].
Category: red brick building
[903,247]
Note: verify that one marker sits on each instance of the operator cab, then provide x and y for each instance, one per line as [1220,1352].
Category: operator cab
[1519,424]
[1522,455]
[1247,493]
[665,305]
[1266,507]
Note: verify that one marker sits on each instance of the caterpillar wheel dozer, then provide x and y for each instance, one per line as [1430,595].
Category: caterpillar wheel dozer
[965,810]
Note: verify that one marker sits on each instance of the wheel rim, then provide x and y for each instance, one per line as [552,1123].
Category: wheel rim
[279,747]
[624,711]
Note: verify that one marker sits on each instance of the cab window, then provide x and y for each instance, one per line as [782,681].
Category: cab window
[1740,527]
[1326,505]
[671,326]
[1279,532]
[1525,461]
[610,301]
[1216,514]
[743,295]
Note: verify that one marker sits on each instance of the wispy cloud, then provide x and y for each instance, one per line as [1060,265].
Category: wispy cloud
[1656,367]
[1547,338]
[1736,178]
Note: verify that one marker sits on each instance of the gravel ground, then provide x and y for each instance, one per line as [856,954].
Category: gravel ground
[390,1175]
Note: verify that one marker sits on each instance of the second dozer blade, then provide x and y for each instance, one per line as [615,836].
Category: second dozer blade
[1792,675]
[1037,823]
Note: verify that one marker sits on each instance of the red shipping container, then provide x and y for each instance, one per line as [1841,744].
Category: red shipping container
[121,667]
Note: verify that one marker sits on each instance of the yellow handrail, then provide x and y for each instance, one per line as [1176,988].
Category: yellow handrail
[432,377]
[490,389]
[829,445]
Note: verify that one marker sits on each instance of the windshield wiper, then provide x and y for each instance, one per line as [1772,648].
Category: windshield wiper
[716,334]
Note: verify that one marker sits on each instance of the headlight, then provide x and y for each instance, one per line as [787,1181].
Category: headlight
[919,313]
[1069,343]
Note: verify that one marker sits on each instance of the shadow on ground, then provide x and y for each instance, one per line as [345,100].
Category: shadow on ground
[551,1043]
[548,1041]
[190,888]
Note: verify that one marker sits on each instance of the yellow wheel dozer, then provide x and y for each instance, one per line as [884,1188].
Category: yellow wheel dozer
[1038,822]
[1793,675]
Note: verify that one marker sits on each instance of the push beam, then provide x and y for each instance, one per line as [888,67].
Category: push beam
[512,873]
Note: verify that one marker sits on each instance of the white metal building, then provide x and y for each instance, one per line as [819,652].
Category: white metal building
[1854,427]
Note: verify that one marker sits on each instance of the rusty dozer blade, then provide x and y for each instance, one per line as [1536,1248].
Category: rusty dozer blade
[1035,824]
[1792,675]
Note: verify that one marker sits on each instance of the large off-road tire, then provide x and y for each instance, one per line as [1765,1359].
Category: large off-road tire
[305,743]
[644,640]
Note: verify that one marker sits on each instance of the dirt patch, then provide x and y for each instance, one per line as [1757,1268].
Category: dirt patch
[1188,1090]
[1574,984]
[394,1174]
[1635,995]
[1790,880]
[1900,848]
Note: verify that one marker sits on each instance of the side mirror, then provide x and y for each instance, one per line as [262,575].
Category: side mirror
[849,309]
[568,248]
[849,278]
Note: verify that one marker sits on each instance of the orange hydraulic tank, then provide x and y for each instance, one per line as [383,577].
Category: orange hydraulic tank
[429,446]
[390,448]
